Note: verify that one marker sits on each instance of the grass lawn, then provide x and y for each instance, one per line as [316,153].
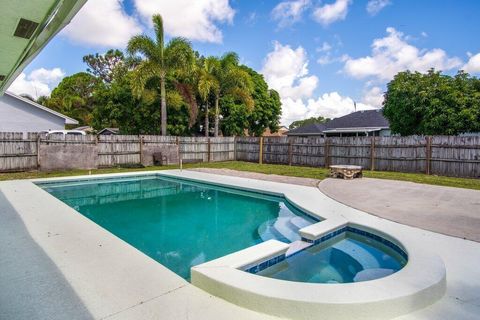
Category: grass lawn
[285,170]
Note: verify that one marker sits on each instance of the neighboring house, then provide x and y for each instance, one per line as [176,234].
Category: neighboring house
[359,123]
[109,131]
[18,114]
[282,130]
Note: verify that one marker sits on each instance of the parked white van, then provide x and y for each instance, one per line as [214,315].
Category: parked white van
[65,133]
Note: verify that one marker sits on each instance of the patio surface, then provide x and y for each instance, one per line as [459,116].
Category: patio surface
[446,210]
[57,264]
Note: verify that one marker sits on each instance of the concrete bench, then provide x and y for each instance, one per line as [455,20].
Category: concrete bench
[347,172]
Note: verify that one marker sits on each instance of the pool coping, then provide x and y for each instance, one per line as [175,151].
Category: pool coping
[334,213]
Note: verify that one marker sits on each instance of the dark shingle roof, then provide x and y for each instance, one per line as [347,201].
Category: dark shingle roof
[359,119]
[313,128]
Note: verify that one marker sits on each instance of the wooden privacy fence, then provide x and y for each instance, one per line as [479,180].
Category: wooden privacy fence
[440,155]
[29,151]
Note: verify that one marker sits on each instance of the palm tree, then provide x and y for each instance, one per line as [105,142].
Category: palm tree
[158,61]
[233,80]
[207,84]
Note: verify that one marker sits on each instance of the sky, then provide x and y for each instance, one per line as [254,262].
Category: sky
[322,56]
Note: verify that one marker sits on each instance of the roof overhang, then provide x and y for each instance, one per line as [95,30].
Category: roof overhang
[359,129]
[304,134]
[26,27]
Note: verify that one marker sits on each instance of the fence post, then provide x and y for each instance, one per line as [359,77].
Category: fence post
[38,151]
[327,153]
[260,153]
[372,154]
[289,152]
[177,142]
[208,150]
[235,148]
[141,148]
[428,153]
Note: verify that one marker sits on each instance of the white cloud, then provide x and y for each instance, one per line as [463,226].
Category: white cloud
[286,70]
[373,97]
[195,20]
[102,23]
[39,82]
[328,58]
[375,6]
[325,47]
[330,105]
[393,54]
[289,12]
[332,12]
[473,64]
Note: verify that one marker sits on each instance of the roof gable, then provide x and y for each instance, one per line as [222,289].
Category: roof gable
[31,103]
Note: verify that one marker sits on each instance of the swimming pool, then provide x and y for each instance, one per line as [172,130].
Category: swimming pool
[181,223]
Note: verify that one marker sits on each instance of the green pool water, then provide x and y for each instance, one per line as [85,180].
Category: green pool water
[181,223]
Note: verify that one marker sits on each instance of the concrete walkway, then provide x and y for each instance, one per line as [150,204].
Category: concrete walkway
[446,210]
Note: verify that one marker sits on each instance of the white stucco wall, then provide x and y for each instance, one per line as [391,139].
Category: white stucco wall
[19,116]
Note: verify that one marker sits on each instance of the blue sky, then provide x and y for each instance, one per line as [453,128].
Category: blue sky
[320,55]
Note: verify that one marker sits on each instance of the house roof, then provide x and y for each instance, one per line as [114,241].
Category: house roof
[112,130]
[25,28]
[360,119]
[312,128]
[365,120]
[68,120]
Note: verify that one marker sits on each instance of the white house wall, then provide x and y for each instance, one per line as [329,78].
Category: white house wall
[19,116]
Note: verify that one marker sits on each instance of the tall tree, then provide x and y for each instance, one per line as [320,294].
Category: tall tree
[433,103]
[159,59]
[207,84]
[74,96]
[105,65]
[233,80]
[299,123]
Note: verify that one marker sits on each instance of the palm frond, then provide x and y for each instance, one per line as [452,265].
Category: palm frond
[145,71]
[180,57]
[188,95]
[144,45]
[230,58]
[244,96]
[159,33]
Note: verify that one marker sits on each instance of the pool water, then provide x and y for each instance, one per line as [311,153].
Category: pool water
[347,258]
[181,223]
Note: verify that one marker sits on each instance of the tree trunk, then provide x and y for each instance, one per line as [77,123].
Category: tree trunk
[163,109]
[216,116]
[206,120]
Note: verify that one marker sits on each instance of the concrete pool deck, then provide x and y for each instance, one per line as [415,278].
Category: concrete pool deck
[57,264]
[447,210]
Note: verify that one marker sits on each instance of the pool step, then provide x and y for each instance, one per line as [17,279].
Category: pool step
[283,227]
